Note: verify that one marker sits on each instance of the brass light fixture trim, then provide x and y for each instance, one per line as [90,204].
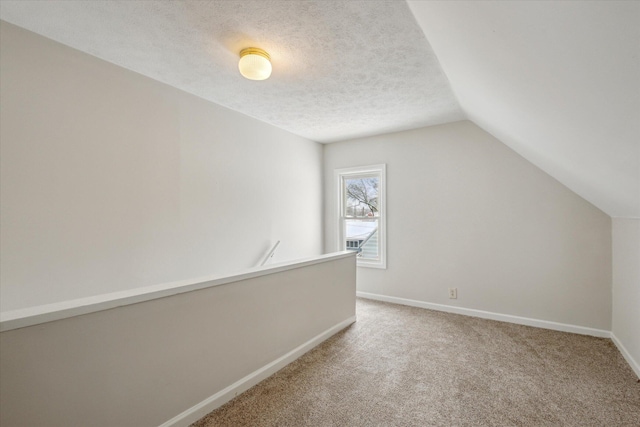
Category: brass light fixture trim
[255,63]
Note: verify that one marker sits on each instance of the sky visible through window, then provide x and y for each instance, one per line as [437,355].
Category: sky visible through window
[362,215]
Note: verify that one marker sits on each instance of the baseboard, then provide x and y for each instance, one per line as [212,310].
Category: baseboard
[490,315]
[223,396]
[625,353]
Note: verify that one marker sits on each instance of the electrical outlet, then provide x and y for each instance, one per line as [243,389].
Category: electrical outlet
[453,293]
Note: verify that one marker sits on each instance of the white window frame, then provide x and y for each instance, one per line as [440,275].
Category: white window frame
[347,173]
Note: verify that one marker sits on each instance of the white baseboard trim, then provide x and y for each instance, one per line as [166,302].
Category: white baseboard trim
[625,353]
[490,315]
[223,396]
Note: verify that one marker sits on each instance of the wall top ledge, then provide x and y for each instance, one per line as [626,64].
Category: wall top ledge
[30,316]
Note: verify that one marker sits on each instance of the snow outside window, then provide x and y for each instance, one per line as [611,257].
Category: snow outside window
[361,201]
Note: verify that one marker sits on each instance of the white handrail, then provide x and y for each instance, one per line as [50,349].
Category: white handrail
[270,254]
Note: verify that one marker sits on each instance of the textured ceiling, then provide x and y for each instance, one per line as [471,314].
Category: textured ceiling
[556,81]
[341,69]
[559,82]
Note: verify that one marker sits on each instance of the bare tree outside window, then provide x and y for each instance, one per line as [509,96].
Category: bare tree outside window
[362,197]
[361,202]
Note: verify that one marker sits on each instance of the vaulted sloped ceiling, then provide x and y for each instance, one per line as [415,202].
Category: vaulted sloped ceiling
[556,81]
[559,82]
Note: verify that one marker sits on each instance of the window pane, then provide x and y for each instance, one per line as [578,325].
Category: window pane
[361,197]
[361,194]
[362,236]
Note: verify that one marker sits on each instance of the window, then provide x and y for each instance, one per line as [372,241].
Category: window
[361,213]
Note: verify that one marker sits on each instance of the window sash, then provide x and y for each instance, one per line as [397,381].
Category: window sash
[342,175]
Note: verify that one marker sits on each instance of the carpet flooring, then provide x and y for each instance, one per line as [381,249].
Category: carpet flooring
[405,366]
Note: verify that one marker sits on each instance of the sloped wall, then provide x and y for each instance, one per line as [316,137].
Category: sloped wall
[111,180]
[467,212]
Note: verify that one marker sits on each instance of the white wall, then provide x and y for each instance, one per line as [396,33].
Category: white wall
[465,211]
[111,180]
[626,288]
[144,364]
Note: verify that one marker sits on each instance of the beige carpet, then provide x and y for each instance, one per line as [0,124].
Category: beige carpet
[404,366]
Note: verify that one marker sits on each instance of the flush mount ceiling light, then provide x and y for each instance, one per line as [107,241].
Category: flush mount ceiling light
[255,64]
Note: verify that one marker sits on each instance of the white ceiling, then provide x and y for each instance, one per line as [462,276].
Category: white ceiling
[341,69]
[559,82]
[556,81]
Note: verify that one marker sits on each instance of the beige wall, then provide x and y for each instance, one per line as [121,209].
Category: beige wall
[111,180]
[143,364]
[626,286]
[465,211]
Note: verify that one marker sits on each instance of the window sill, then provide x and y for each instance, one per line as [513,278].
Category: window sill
[365,264]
